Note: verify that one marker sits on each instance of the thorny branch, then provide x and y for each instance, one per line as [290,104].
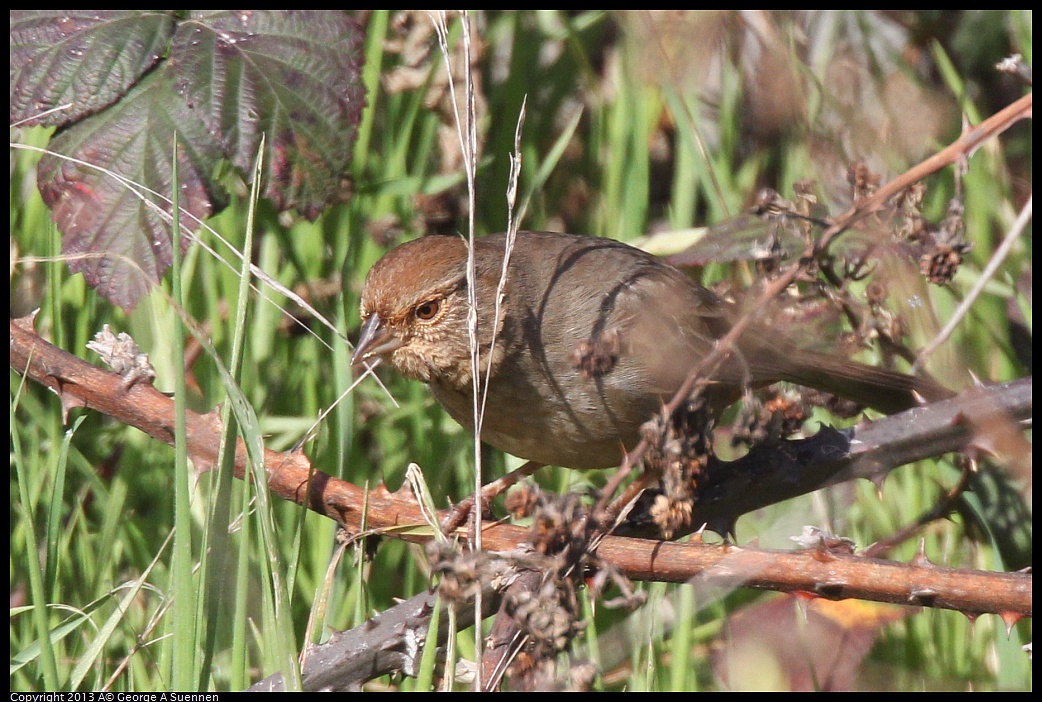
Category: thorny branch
[291,476]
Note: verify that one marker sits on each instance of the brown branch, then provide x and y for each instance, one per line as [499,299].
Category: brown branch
[292,477]
[392,641]
[342,663]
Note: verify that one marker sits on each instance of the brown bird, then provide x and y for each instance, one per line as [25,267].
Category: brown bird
[593,337]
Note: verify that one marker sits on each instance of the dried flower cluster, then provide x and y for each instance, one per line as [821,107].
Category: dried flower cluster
[679,451]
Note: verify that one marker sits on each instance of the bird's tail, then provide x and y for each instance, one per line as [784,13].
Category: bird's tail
[884,390]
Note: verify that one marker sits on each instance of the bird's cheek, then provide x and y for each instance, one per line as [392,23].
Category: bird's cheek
[411,364]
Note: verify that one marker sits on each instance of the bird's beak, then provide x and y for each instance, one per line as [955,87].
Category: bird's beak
[377,340]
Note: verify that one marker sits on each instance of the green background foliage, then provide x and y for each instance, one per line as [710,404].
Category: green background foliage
[636,122]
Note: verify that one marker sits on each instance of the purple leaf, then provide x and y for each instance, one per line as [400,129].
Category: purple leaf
[229,78]
[86,59]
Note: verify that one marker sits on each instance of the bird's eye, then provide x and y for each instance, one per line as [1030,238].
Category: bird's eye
[427,310]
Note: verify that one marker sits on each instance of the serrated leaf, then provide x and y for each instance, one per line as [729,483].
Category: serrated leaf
[230,77]
[292,75]
[118,234]
[86,59]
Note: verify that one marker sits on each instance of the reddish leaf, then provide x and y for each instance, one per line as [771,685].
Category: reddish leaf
[86,59]
[230,77]
[113,231]
[293,76]
[767,646]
